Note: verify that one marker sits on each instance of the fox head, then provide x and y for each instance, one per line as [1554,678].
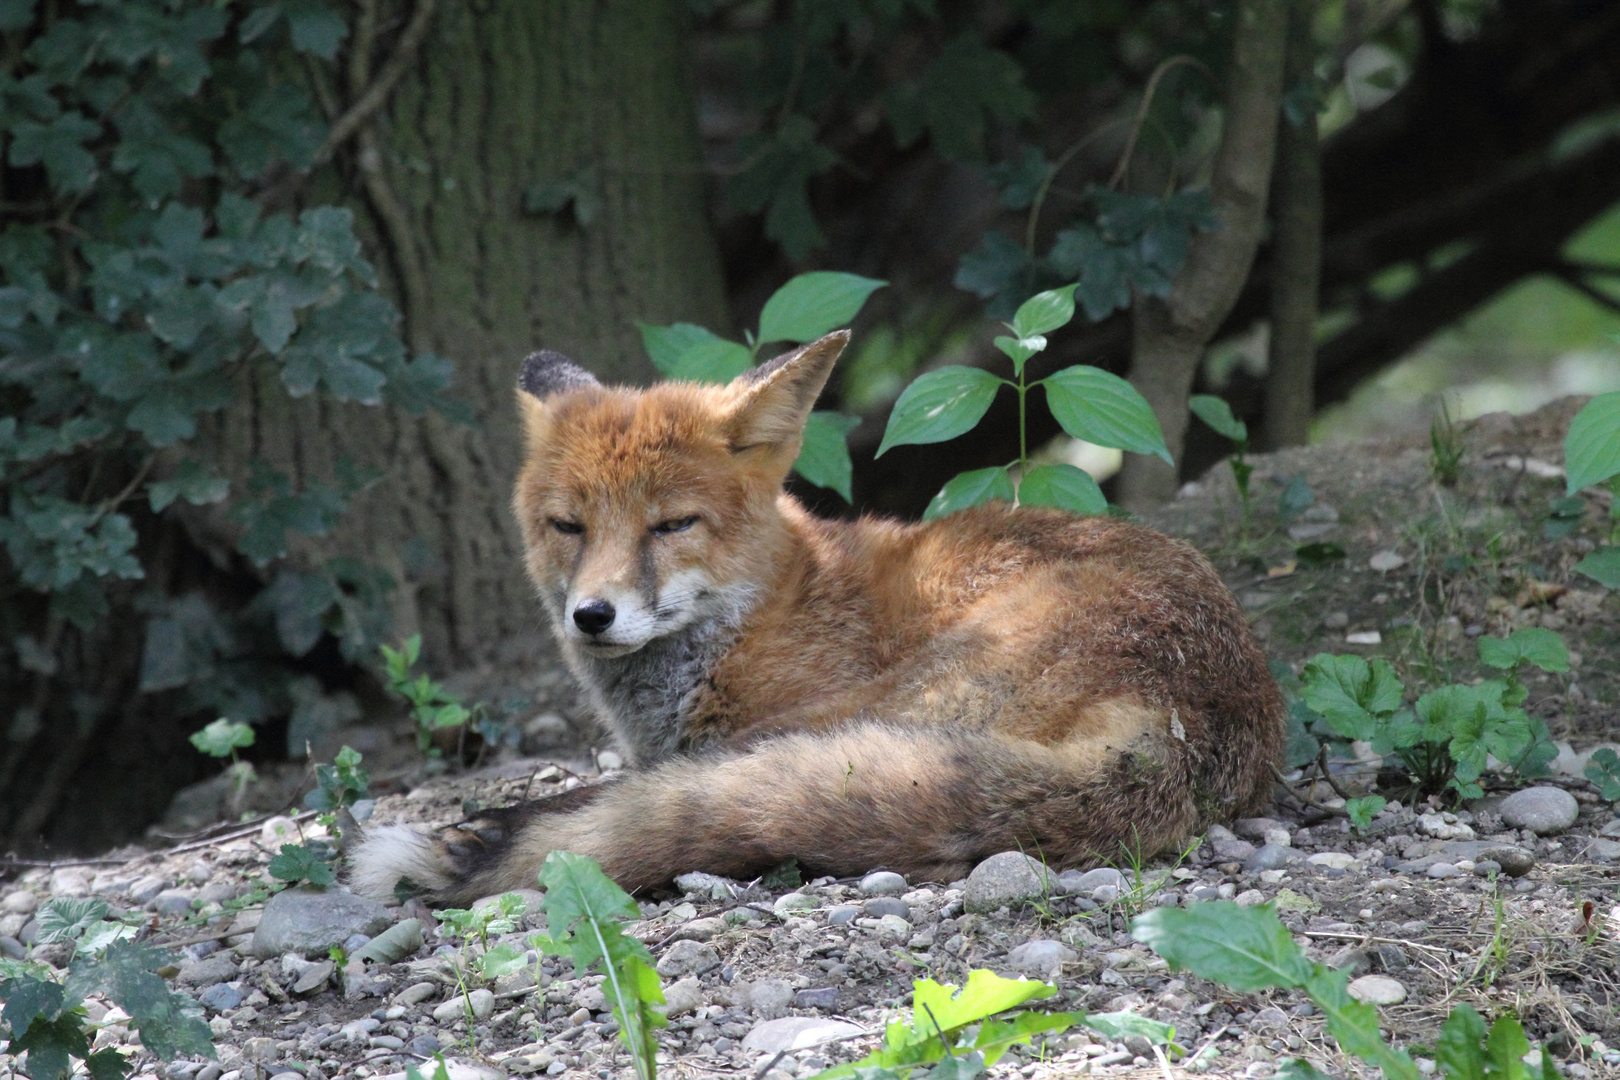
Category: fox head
[645,511]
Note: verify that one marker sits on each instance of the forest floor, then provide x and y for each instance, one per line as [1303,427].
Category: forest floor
[1410,899]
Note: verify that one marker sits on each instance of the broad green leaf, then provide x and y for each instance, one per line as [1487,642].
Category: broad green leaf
[712,361]
[1354,1024]
[501,959]
[108,1064]
[1122,1025]
[51,1046]
[221,737]
[666,345]
[28,999]
[963,1067]
[1102,408]
[1602,566]
[1531,644]
[1218,414]
[1592,446]
[1063,486]
[814,304]
[824,457]
[1351,694]
[1300,1069]
[1245,948]
[970,489]
[939,405]
[966,81]
[780,165]
[1459,1050]
[937,1007]
[1505,1045]
[68,918]
[1603,769]
[996,1037]
[1044,312]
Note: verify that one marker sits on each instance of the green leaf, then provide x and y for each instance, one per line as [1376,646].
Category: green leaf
[59,146]
[997,269]
[666,345]
[170,1024]
[970,489]
[298,862]
[1505,1045]
[996,1037]
[1354,1024]
[28,999]
[1103,269]
[1102,408]
[939,1008]
[814,304]
[1218,414]
[501,959]
[1247,949]
[966,81]
[1458,1051]
[1296,497]
[1531,644]
[1592,446]
[1603,769]
[1351,694]
[939,405]
[711,360]
[1602,566]
[1300,1069]
[824,458]
[1361,811]
[1044,312]
[1063,486]
[1121,1025]
[51,1045]
[1019,350]
[221,737]
[315,28]
[108,1064]
[776,178]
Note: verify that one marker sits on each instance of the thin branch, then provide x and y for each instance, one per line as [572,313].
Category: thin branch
[370,95]
[1572,276]
[1148,93]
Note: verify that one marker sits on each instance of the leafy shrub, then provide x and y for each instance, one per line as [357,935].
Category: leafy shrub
[432,706]
[45,1016]
[342,783]
[803,309]
[1089,403]
[1248,949]
[1218,415]
[222,739]
[1445,739]
[146,284]
[303,862]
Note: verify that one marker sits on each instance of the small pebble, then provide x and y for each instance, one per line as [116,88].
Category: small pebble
[883,883]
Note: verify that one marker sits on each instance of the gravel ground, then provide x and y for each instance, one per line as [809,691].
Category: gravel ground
[1495,905]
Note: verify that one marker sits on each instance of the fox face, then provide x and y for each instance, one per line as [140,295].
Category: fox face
[647,512]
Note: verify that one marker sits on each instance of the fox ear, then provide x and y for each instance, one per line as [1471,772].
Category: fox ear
[545,373]
[774,399]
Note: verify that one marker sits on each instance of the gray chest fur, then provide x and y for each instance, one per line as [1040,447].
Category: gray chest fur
[642,697]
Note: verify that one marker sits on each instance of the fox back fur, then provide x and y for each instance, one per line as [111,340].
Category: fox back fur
[852,694]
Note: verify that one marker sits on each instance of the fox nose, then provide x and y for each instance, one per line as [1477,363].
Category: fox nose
[594,616]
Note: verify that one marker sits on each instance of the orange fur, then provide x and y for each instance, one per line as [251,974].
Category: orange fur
[853,693]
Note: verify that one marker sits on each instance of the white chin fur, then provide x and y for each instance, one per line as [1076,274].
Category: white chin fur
[391,852]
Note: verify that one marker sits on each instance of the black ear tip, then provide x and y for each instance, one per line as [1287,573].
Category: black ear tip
[545,373]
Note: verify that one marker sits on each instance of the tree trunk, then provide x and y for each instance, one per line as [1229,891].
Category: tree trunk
[1296,252]
[505,95]
[1169,334]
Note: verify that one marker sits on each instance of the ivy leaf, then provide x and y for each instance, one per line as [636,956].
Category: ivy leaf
[15,15]
[315,28]
[300,602]
[59,145]
[272,300]
[966,82]
[1592,446]
[1103,285]
[51,1045]
[939,405]
[970,489]
[1603,769]
[277,123]
[1018,178]
[1217,414]
[341,347]
[1247,949]
[192,481]
[1530,644]
[157,156]
[824,457]
[813,304]
[1102,408]
[272,510]
[170,1024]
[998,270]
[1063,486]
[780,165]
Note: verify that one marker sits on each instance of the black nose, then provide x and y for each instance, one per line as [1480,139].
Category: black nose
[594,616]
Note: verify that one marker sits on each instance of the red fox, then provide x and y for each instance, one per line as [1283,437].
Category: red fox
[851,694]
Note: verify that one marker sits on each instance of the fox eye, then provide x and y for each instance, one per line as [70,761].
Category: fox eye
[674,525]
[572,528]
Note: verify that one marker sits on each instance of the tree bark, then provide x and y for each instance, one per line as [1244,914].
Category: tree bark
[1296,252]
[1169,334]
[506,94]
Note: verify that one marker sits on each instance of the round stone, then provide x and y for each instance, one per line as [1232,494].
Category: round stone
[883,883]
[1269,857]
[1514,861]
[1010,879]
[1076,883]
[1543,810]
[1040,957]
[879,906]
[688,958]
[1377,990]
[1486,867]
[1442,870]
